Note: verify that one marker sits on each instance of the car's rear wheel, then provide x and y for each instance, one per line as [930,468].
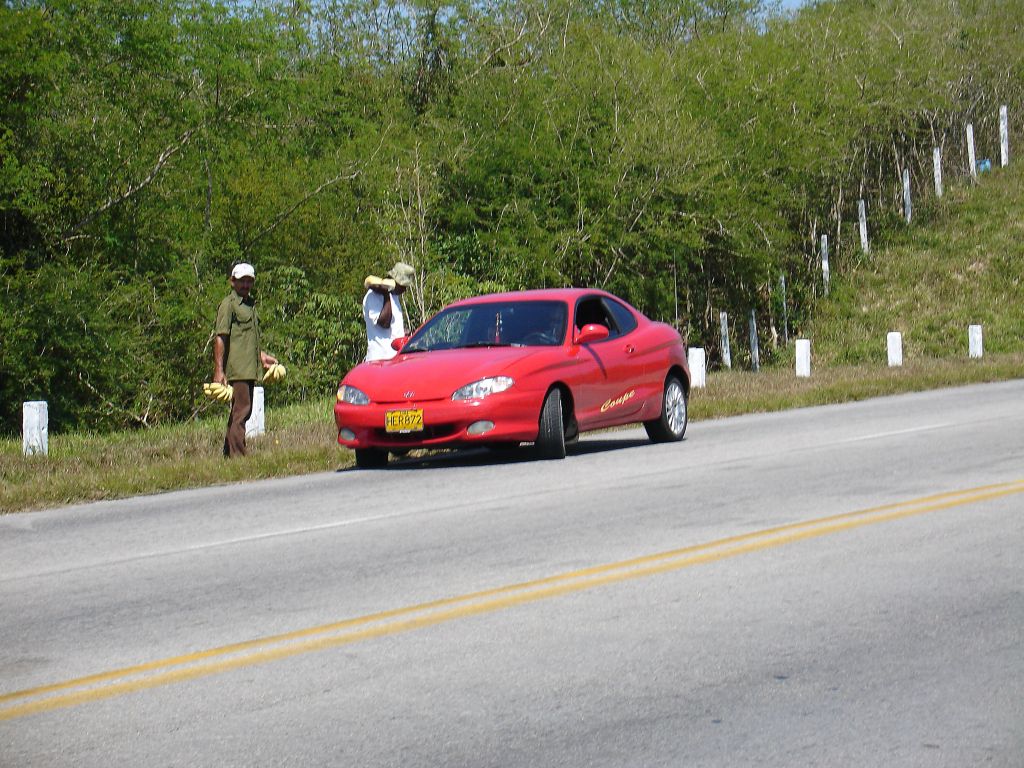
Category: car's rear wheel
[551,437]
[670,426]
[371,458]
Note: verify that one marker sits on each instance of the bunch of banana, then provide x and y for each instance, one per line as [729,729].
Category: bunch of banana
[221,392]
[372,281]
[274,374]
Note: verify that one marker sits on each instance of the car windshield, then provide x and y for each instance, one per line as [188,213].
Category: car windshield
[493,324]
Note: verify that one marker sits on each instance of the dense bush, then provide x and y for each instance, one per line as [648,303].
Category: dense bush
[674,152]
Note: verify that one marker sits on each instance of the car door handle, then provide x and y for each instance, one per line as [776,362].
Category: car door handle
[629,349]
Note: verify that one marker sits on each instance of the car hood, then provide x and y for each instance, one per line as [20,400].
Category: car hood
[436,375]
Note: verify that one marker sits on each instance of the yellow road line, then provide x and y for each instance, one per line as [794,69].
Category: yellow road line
[262,650]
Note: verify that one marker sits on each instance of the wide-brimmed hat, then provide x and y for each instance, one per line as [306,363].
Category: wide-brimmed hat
[242,269]
[402,274]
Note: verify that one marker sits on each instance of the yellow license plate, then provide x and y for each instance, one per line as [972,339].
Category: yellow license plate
[403,421]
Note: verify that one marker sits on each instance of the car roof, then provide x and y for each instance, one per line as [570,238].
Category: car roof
[569,295]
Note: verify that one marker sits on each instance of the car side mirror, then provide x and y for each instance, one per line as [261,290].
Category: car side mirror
[397,344]
[590,333]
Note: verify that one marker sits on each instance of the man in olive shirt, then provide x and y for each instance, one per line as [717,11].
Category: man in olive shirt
[237,357]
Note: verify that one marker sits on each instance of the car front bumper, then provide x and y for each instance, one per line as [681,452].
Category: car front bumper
[446,423]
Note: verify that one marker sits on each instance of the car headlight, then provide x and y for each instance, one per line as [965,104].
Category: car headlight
[352,396]
[483,388]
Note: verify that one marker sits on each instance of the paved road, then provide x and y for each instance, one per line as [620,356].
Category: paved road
[828,586]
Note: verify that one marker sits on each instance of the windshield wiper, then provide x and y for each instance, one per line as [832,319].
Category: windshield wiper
[485,344]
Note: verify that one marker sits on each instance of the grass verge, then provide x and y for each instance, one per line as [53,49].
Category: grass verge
[300,439]
[731,393]
[88,467]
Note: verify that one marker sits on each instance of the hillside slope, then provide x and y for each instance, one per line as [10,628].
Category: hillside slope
[960,262]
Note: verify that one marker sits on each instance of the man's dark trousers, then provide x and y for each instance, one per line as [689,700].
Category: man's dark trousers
[241,410]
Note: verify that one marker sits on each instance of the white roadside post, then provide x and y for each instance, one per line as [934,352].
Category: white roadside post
[1004,136]
[34,428]
[755,349]
[894,345]
[785,311]
[907,208]
[697,359]
[971,160]
[723,318]
[825,275]
[256,425]
[937,168]
[974,341]
[803,358]
[862,214]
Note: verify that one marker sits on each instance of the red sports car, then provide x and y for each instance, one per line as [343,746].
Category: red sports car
[529,367]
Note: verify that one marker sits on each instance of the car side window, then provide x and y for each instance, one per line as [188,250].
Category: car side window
[625,321]
[592,311]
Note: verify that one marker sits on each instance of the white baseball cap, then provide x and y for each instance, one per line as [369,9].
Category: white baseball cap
[243,269]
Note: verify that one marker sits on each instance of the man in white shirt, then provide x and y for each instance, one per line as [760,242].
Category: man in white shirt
[382,311]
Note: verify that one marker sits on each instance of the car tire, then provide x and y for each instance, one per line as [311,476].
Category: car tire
[551,436]
[572,431]
[670,426]
[371,458]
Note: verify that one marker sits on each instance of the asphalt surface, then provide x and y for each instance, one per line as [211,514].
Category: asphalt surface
[829,586]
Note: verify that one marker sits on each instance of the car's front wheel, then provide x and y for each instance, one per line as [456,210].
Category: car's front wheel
[670,426]
[371,458]
[551,437]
